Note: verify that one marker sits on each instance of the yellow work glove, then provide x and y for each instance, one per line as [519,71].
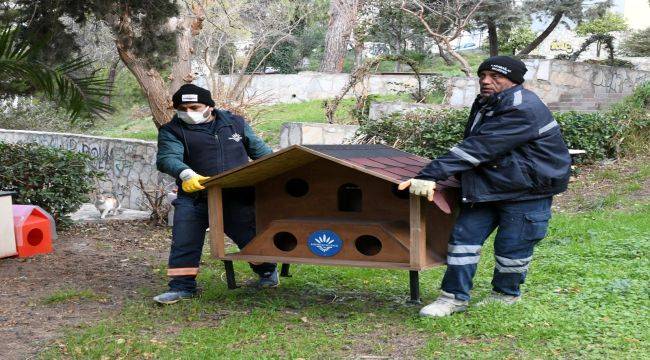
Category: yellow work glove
[419,187]
[192,181]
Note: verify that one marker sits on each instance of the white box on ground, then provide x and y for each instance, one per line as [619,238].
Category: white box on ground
[7,236]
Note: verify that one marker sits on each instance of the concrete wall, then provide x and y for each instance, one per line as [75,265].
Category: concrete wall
[563,85]
[315,133]
[125,162]
[308,85]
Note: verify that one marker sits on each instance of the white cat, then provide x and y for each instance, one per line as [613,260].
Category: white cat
[108,205]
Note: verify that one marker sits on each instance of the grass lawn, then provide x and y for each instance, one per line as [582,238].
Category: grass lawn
[268,119]
[586,296]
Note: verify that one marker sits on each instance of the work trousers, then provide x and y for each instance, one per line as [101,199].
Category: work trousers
[521,225]
[188,235]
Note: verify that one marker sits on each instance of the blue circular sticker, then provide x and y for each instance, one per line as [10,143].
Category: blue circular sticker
[324,243]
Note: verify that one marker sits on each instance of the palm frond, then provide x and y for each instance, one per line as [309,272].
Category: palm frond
[66,83]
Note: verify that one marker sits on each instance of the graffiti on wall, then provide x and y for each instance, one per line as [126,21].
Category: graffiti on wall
[561,46]
[124,162]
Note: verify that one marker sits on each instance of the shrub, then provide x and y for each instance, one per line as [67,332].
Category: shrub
[622,130]
[638,43]
[26,113]
[632,116]
[427,133]
[592,132]
[611,62]
[55,179]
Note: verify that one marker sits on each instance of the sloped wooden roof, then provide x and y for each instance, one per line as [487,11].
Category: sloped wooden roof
[378,160]
[395,164]
[381,161]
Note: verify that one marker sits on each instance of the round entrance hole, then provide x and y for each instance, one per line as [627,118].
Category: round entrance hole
[34,237]
[285,241]
[368,245]
[296,187]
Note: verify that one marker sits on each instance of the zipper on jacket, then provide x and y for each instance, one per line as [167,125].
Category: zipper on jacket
[216,137]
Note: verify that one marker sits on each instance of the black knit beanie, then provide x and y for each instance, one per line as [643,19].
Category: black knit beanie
[511,68]
[190,93]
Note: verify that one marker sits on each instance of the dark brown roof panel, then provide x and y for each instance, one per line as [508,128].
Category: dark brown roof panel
[366,162]
[387,161]
[410,161]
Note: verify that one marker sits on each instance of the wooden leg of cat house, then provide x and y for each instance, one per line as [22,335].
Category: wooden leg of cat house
[414,282]
[418,245]
[215,208]
[284,270]
[230,274]
[217,237]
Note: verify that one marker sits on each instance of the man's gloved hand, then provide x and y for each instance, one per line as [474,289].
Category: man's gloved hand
[191,181]
[419,187]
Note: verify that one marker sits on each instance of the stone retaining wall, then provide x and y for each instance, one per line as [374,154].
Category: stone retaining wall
[563,85]
[125,162]
[309,85]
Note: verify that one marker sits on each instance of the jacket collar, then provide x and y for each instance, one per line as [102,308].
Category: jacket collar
[495,99]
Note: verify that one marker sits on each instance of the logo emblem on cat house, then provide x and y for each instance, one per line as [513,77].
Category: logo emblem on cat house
[324,243]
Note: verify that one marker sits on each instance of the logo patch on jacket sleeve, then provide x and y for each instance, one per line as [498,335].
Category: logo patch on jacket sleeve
[324,243]
[235,137]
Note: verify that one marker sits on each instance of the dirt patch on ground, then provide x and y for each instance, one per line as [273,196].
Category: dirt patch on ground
[387,342]
[94,268]
[611,183]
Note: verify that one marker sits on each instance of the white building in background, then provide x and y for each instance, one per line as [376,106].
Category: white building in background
[635,12]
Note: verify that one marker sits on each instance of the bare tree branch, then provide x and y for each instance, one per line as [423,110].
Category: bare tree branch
[456,14]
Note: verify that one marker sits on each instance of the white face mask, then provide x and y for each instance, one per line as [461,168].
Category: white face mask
[194,117]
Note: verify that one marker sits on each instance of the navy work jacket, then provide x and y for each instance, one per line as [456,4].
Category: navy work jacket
[512,150]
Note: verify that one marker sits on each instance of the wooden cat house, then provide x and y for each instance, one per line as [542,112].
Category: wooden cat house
[337,205]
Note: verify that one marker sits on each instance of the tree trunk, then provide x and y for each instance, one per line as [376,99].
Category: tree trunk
[358,53]
[448,61]
[160,102]
[189,25]
[464,64]
[492,37]
[538,40]
[112,72]
[182,68]
[343,15]
[151,82]
[398,43]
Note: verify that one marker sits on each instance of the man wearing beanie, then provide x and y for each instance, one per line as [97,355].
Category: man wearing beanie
[201,141]
[510,163]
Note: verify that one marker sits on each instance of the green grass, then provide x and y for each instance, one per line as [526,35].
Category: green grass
[143,129]
[270,119]
[586,296]
[267,123]
[67,295]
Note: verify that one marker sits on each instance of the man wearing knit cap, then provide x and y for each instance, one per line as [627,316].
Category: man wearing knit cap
[510,163]
[201,141]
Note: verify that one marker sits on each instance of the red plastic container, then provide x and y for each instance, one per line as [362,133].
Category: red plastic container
[34,229]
